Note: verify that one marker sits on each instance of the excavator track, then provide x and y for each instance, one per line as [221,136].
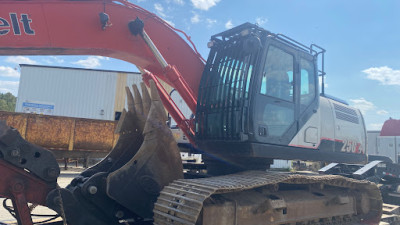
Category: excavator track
[184,201]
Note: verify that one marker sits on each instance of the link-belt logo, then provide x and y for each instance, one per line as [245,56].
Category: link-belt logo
[15,24]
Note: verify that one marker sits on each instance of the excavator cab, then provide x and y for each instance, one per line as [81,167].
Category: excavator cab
[258,89]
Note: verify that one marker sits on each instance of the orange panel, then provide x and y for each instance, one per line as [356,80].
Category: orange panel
[49,131]
[18,121]
[94,134]
[63,133]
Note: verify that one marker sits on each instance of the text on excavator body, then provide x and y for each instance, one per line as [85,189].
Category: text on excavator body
[15,23]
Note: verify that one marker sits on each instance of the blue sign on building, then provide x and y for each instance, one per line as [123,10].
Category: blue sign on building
[37,108]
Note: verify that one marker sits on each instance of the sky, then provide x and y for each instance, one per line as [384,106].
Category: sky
[362,61]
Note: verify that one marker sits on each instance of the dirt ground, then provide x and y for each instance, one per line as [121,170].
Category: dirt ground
[64,179]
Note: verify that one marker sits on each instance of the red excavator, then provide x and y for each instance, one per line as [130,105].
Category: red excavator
[255,99]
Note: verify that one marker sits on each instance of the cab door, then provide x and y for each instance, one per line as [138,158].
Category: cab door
[279,109]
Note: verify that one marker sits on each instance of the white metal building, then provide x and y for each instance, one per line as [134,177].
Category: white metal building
[388,146]
[372,142]
[73,92]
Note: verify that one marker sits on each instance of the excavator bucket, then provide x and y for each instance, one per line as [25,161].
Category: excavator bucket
[138,183]
[127,182]
[130,127]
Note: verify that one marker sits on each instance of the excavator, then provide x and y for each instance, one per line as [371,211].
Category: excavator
[256,98]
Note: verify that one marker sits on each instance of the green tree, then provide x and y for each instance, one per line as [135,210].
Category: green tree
[7,102]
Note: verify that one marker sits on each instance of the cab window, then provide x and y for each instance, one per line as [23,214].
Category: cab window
[277,80]
[307,83]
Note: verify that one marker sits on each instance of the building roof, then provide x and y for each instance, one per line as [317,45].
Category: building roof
[391,127]
[73,68]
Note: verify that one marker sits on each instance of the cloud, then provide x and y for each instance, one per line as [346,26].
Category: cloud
[229,24]
[179,2]
[362,104]
[382,112]
[385,75]
[170,22]
[20,60]
[8,72]
[204,4]
[195,18]
[261,21]
[159,9]
[91,62]
[53,60]
[9,86]
[161,12]
[375,126]
[210,22]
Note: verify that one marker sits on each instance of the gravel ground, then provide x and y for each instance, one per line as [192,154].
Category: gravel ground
[64,179]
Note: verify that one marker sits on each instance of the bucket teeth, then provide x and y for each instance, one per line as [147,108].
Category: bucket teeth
[130,127]
[154,92]
[157,116]
[137,184]
[131,102]
[138,100]
[145,99]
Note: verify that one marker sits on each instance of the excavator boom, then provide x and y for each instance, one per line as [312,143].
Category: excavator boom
[76,28]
